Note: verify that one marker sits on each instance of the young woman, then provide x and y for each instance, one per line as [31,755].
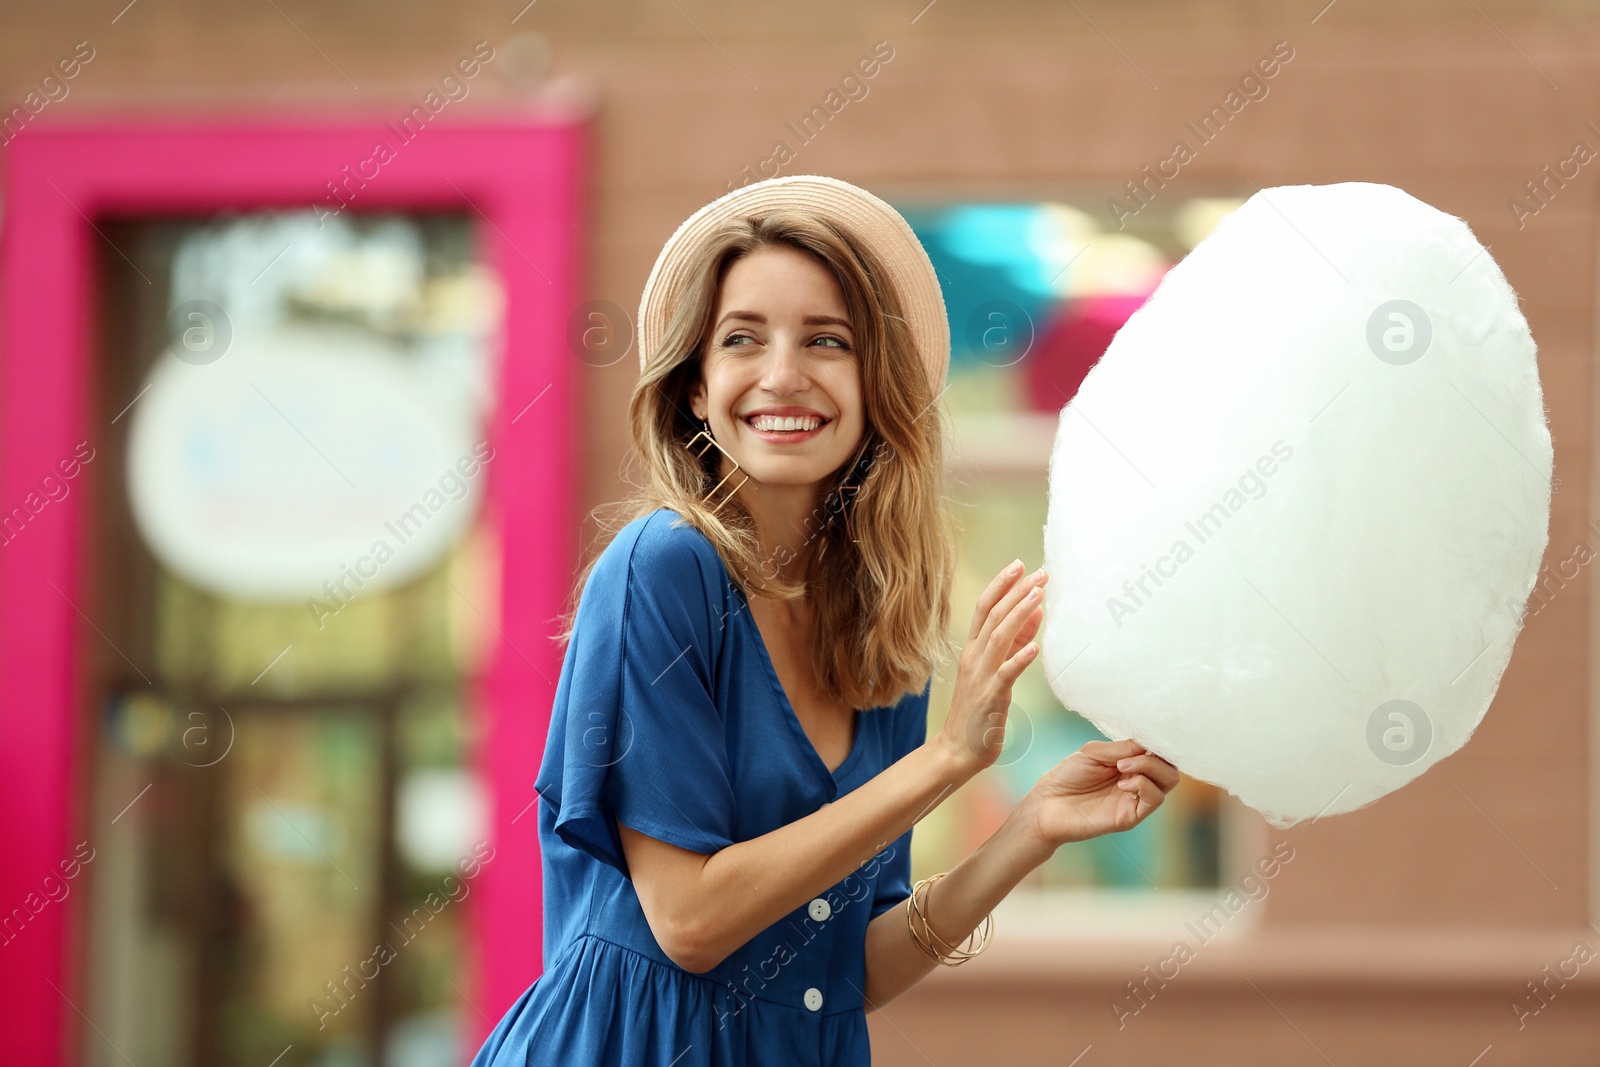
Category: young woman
[739,744]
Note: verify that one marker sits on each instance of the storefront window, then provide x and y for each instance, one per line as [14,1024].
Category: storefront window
[1035,291]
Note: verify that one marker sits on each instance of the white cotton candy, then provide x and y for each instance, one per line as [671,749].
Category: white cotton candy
[1297,508]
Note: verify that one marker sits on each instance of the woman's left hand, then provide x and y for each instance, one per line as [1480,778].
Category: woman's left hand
[1104,787]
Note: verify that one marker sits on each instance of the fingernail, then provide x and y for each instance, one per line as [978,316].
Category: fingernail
[1124,764]
[1016,565]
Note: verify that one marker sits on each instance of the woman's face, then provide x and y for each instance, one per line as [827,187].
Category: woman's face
[780,377]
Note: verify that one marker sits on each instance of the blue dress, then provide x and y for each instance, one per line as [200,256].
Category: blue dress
[670,716]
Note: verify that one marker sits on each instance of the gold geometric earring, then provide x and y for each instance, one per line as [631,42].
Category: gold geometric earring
[700,454]
[850,487]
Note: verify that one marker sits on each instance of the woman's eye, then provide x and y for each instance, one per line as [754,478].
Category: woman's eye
[729,341]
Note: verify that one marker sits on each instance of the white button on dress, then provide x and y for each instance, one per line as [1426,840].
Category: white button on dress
[814,998]
[820,909]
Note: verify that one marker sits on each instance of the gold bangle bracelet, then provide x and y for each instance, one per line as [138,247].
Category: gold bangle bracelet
[951,951]
[952,956]
[920,939]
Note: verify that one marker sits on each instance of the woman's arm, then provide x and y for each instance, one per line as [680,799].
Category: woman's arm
[701,908]
[1104,787]
[954,905]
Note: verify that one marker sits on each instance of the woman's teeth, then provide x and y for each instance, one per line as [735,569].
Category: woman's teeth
[785,423]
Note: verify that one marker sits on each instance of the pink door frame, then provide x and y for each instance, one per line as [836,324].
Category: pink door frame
[522,179]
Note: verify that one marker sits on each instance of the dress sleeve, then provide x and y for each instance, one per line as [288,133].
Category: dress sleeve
[635,732]
[894,874]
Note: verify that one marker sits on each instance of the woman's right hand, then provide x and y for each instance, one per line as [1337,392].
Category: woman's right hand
[998,649]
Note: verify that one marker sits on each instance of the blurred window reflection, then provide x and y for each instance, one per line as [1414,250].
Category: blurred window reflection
[1035,290]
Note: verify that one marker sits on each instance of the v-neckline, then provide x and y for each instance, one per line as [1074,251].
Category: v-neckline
[857,739]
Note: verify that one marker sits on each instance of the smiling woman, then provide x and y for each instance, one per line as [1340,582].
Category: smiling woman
[788,314]
[746,689]
[798,352]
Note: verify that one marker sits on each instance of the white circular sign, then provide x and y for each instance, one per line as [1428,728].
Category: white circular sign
[303,462]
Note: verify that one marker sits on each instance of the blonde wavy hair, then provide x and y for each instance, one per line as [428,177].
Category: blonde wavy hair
[882,603]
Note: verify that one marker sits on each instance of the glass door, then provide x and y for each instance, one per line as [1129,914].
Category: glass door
[294,588]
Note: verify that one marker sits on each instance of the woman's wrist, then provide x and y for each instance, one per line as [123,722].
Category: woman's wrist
[1019,834]
[1000,863]
[956,766]
[1021,828]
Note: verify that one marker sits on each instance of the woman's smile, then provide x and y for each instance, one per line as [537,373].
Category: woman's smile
[785,425]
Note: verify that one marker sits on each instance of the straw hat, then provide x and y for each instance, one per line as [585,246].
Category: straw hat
[873,223]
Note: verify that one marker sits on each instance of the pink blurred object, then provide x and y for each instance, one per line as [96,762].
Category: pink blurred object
[1072,341]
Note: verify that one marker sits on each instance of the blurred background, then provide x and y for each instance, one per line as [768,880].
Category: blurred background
[268,742]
